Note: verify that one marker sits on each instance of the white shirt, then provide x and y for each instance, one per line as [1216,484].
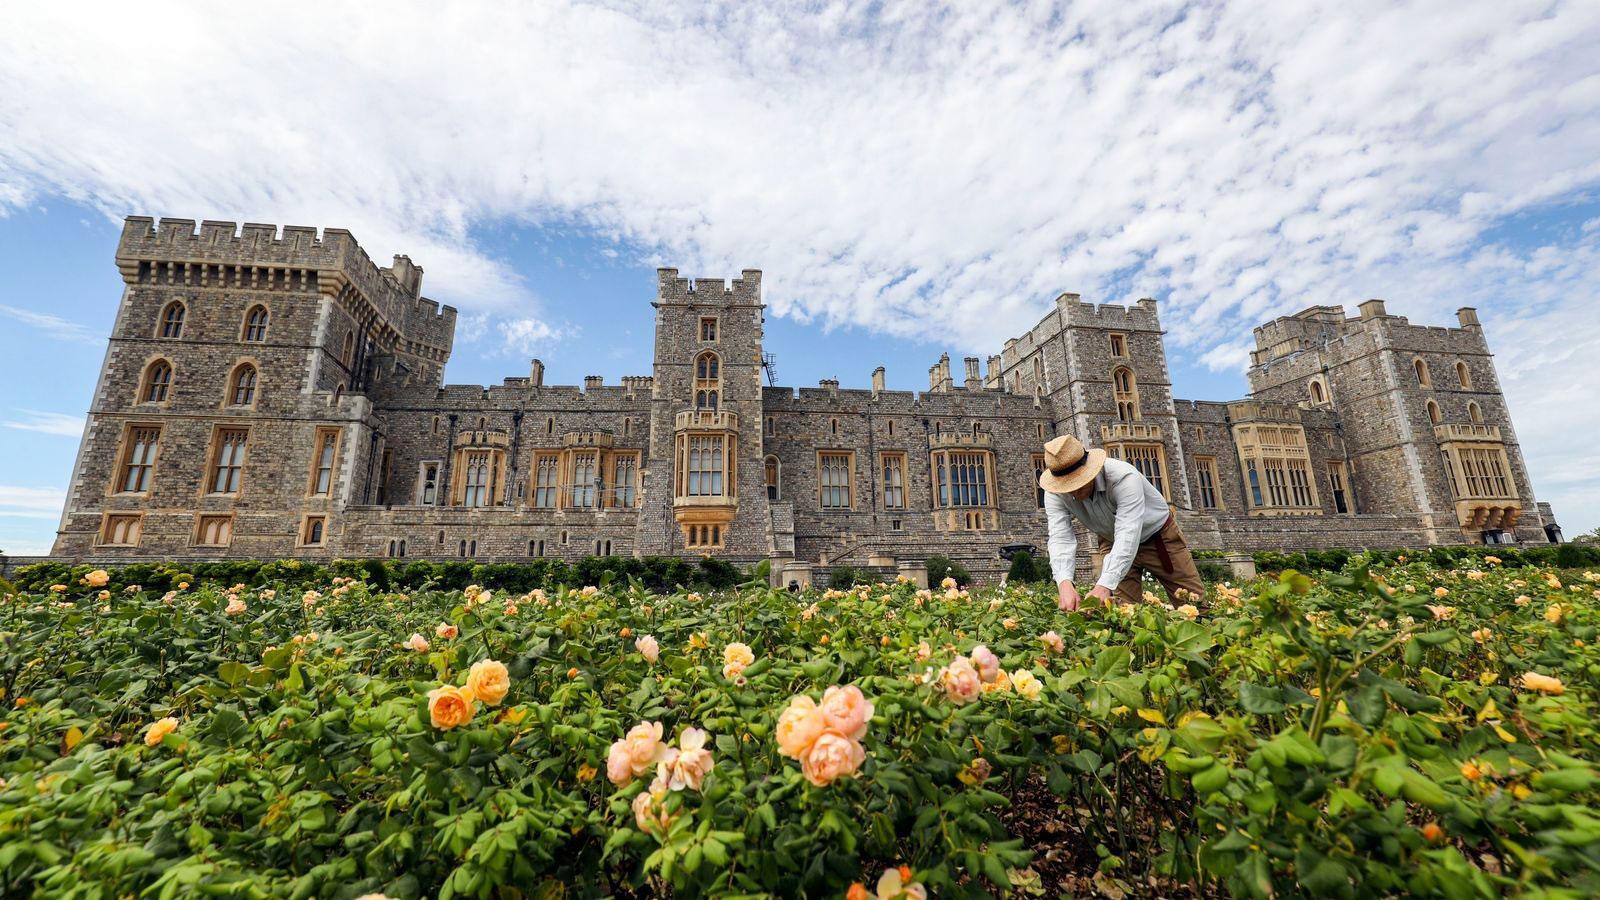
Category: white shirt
[1125,509]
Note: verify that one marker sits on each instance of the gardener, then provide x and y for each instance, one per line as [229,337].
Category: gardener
[1115,501]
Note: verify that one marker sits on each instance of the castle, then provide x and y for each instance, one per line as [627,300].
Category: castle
[274,393]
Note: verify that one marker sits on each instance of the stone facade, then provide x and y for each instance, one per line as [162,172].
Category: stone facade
[274,393]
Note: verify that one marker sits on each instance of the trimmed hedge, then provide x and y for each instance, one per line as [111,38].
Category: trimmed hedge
[659,574]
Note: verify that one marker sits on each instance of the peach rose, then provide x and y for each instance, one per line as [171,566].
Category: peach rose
[416,642]
[1054,642]
[99,578]
[648,648]
[235,607]
[650,812]
[896,884]
[923,651]
[687,764]
[634,754]
[961,681]
[159,729]
[1188,611]
[446,631]
[1544,684]
[489,681]
[798,726]
[987,663]
[847,711]
[449,706]
[831,756]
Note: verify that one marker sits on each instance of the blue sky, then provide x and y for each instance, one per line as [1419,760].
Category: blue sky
[912,177]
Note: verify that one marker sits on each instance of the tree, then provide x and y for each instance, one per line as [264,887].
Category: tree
[1023,569]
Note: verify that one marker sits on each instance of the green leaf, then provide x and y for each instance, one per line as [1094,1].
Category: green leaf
[233,673]
[1263,701]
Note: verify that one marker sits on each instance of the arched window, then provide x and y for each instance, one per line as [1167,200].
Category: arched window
[1422,372]
[157,379]
[255,324]
[707,381]
[172,320]
[1433,412]
[1463,376]
[1475,413]
[1125,390]
[1318,395]
[348,351]
[242,386]
[770,473]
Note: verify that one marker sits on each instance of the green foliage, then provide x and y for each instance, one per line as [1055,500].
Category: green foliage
[1365,734]
[1024,571]
[942,567]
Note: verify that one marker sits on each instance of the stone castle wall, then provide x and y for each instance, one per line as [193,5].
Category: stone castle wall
[355,348]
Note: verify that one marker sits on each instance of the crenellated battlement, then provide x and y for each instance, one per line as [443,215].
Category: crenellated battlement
[742,291]
[259,256]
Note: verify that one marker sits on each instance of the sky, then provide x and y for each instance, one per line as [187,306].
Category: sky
[912,177]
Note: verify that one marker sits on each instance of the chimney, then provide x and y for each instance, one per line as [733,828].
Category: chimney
[536,374]
[1468,317]
[974,381]
[1372,309]
[992,378]
[877,381]
[590,382]
[831,385]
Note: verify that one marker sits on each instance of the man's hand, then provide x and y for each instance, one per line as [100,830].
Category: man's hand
[1101,593]
[1068,601]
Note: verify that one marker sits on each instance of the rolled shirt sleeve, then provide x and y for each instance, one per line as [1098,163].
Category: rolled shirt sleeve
[1129,495]
[1063,545]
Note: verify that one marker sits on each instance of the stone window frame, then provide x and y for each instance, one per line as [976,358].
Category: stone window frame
[1156,450]
[1474,412]
[1119,342]
[200,522]
[494,462]
[1281,447]
[885,457]
[1419,368]
[166,320]
[248,324]
[1463,375]
[230,392]
[1435,416]
[1205,467]
[422,480]
[704,536]
[1125,399]
[347,349]
[119,474]
[107,522]
[146,381]
[1038,489]
[214,459]
[772,476]
[730,464]
[536,470]
[1339,483]
[716,330]
[707,387]
[939,468]
[849,457]
[303,537]
[1317,391]
[314,469]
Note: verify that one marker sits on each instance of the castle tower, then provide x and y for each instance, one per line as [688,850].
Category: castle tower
[706,492]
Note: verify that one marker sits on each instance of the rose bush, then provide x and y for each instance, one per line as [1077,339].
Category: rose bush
[1364,735]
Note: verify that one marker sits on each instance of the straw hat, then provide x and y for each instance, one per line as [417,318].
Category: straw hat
[1068,466]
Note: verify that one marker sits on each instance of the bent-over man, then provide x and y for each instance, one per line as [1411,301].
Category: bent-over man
[1116,502]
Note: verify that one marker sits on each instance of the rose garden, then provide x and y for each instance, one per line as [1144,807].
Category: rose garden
[1394,727]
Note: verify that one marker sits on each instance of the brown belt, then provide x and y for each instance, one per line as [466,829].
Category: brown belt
[1161,546]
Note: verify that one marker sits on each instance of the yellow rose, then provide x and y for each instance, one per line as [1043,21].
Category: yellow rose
[1553,613]
[159,729]
[1544,684]
[738,653]
[489,681]
[449,706]
[1024,683]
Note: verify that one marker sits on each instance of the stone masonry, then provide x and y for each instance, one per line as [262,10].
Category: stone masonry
[297,408]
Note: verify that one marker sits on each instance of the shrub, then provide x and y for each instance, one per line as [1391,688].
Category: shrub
[1023,570]
[942,567]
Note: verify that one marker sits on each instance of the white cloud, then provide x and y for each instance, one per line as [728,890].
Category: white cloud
[54,325]
[31,502]
[48,423]
[915,168]
[529,336]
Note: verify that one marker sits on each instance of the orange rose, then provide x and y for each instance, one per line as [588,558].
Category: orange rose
[799,726]
[489,681]
[449,706]
[446,631]
[846,711]
[159,729]
[832,755]
[1544,684]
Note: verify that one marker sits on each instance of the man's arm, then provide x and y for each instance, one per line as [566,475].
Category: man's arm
[1063,546]
[1129,496]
